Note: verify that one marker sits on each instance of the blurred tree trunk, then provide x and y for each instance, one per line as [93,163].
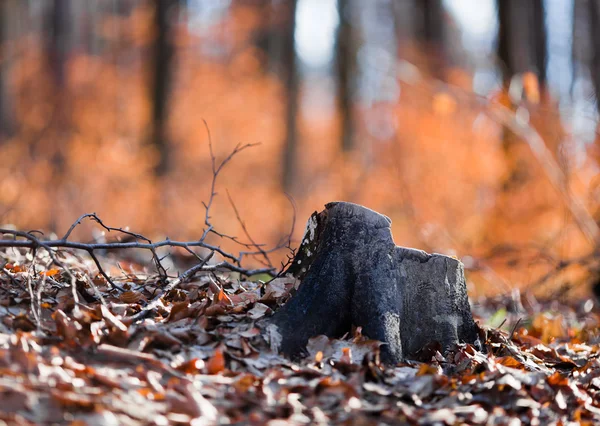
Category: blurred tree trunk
[57,48]
[580,35]
[6,7]
[431,20]
[163,53]
[522,38]
[521,49]
[430,31]
[53,145]
[267,37]
[291,83]
[540,39]
[346,73]
[58,29]
[3,60]
[594,21]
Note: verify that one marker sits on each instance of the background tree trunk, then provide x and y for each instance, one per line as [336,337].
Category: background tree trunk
[163,53]
[430,32]
[345,61]
[594,21]
[291,84]
[59,25]
[5,114]
[522,38]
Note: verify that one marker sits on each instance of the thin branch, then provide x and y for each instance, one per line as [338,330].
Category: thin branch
[49,244]
[93,216]
[75,224]
[243,225]
[104,274]
[294,214]
[226,266]
[34,304]
[215,171]
[33,243]
[187,275]
[231,263]
[285,243]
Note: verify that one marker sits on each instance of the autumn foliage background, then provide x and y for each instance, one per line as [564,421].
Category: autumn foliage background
[416,141]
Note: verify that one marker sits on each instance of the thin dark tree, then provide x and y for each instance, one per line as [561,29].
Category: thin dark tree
[4,130]
[540,38]
[430,31]
[430,22]
[290,77]
[345,61]
[594,21]
[522,38]
[57,47]
[163,55]
[267,37]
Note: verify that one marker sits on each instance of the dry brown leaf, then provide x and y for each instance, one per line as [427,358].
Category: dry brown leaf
[216,363]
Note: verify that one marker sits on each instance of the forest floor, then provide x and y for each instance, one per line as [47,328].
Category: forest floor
[71,353]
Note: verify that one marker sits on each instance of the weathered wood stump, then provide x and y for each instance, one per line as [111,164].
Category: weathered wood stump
[352,273]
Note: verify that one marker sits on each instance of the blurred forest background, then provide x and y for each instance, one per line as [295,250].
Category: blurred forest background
[429,111]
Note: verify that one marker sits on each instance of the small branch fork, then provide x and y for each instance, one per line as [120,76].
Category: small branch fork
[230,262]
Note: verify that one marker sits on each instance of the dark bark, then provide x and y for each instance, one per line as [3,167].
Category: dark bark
[291,82]
[540,39]
[269,36]
[430,20]
[346,72]
[352,273]
[430,31]
[4,122]
[580,34]
[163,54]
[594,21]
[522,38]
[59,26]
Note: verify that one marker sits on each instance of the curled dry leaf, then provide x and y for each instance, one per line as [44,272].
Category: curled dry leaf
[258,311]
[216,363]
[131,296]
[278,289]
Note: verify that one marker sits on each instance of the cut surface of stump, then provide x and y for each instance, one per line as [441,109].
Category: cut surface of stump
[352,273]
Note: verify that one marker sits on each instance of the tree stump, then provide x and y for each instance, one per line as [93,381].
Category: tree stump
[352,273]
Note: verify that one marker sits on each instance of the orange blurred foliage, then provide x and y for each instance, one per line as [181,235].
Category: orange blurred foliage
[451,178]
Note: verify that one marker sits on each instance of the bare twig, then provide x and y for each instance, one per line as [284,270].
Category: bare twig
[33,242]
[93,216]
[50,244]
[287,241]
[514,329]
[34,303]
[230,263]
[216,170]
[243,225]
[182,278]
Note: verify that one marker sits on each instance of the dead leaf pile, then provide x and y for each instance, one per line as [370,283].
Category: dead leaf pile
[70,353]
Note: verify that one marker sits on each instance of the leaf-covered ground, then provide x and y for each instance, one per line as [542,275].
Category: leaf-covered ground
[70,353]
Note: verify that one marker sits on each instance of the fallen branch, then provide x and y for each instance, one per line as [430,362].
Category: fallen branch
[231,262]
